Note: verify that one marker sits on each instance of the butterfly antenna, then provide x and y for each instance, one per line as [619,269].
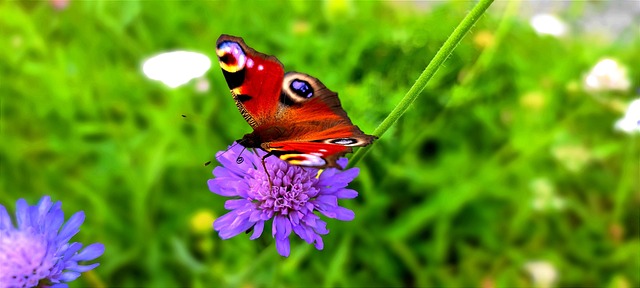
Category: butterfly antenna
[239,160]
[227,150]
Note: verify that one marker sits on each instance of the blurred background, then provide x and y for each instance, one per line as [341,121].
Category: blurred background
[513,168]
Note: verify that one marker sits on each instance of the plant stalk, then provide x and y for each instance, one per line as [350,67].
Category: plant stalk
[433,66]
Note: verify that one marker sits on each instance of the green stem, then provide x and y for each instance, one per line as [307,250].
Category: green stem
[413,93]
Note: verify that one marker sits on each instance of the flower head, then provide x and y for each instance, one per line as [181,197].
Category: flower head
[543,274]
[37,251]
[607,75]
[176,68]
[630,123]
[547,24]
[297,192]
[545,196]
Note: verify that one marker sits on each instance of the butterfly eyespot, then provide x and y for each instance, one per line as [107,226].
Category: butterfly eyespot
[301,88]
[227,59]
[231,56]
[297,88]
[344,141]
[239,160]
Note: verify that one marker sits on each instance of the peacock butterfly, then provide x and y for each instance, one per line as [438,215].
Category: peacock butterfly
[293,115]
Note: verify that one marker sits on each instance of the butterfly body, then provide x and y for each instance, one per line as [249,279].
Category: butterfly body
[293,115]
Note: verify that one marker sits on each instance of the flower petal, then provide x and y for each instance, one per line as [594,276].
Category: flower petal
[229,160]
[341,178]
[54,219]
[222,172]
[344,214]
[69,276]
[89,253]
[69,249]
[5,219]
[257,230]
[295,218]
[236,203]
[327,204]
[232,224]
[320,227]
[281,227]
[319,244]
[329,173]
[342,162]
[283,247]
[235,231]
[72,227]
[224,220]
[22,214]
[330,200]
[81,268]
[223,187]
[304,232]
[40,211]
[346,193]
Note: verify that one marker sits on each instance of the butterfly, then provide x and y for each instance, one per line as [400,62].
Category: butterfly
[293,115]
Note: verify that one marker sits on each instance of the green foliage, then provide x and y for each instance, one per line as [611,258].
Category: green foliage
[447,196]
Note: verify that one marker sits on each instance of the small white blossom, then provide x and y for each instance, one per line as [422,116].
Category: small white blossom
[548,24]
[543,274]
[176,68]
[630,123]
[545,197]
[607,75]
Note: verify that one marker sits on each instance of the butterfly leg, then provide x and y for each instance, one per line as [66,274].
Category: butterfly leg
[265,170]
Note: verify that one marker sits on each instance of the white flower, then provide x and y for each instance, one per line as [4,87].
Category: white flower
[574,157]
[543,274]
[548,24]
[545,195]
[607,75]
[631,121]
[176,68]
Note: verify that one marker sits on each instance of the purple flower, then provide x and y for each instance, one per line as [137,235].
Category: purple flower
[296,194]
[37,252]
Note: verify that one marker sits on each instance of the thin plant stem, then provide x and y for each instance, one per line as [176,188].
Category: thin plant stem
[413,93]
[460,93]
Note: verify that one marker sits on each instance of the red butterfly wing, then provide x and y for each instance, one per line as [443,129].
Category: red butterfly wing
[255,79]
[294,116]
[313,113]
[312,128]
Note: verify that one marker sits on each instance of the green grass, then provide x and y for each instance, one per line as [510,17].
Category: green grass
[445,195]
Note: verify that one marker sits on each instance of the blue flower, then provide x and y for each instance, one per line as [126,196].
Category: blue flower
[296,194]
[37,251]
